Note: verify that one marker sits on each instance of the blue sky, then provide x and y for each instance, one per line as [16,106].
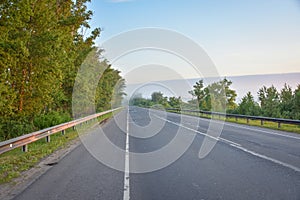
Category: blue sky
[241,36]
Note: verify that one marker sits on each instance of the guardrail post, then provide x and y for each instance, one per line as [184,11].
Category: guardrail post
[247,120]
[63,132]
[236,118]
[48,138]
[262,122]
[25,148]
[74,128]
[279,124]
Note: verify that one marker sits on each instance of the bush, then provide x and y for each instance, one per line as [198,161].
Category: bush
[50,119]
[10,128]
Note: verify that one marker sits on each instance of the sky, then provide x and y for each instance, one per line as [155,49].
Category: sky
[242,37]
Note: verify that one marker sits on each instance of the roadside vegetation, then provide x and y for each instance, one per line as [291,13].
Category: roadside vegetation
[266,124]
[220,97]
[42,46]
[13,163]
[271,102]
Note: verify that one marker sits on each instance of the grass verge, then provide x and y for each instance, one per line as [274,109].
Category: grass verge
[14,162]
[266,124]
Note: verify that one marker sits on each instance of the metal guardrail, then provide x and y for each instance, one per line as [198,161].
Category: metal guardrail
[236,116]
[24,140]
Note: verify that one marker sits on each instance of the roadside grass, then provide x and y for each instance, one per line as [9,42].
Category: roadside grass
[266,124]
[14,162]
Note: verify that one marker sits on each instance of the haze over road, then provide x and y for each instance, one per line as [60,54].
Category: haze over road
[246,163]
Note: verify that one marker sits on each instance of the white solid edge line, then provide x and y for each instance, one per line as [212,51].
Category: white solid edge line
[238,146]
[267,158]
[201,133]
[245,127]
[229,141]
[126,192]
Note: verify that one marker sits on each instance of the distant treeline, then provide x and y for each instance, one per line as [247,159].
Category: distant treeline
[157,98]
[42,46]
[219,96]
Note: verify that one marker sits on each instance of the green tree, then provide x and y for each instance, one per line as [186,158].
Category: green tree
[110,90]
[42,47]
[39,46]
[269,101]
[175,102]
[157,97]
[230,94]
[296,104]
[248,106]
[138,100]
[286,101]
[218,96]
[199,93]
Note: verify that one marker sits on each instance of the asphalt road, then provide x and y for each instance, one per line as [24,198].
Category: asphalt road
[245,162]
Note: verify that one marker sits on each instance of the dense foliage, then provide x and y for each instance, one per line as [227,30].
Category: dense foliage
[271,103]
[42,46]
[219,96]
[157,98]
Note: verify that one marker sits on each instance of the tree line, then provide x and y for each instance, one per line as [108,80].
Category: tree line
[42,46]
[220,97]
[157,98]
[271,102]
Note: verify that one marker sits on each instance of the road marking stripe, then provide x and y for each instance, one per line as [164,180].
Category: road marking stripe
[267,158]
[229,141]
[238,146]
[201,133]
[126,192]
[187,128]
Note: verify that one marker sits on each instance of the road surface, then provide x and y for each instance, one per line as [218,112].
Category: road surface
[245,163]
